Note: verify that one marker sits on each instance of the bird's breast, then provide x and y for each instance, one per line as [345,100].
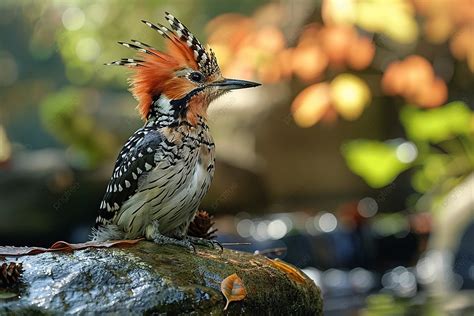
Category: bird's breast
[172,191]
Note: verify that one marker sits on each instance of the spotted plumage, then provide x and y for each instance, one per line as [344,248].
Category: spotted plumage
[165,168]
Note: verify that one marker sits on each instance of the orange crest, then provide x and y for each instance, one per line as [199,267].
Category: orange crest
[156,68]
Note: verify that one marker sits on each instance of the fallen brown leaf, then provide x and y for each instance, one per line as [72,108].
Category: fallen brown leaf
[289,270]
[233,289]
[64,246]
[21,251]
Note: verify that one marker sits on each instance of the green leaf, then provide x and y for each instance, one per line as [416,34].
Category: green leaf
[374,161]
[436,125]
[430,174]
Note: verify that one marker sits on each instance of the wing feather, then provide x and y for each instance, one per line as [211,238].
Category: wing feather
[134,161]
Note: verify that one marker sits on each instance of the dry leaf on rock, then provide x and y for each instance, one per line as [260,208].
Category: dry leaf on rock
[233,289]
[21,251]
[64,246]
[289,270]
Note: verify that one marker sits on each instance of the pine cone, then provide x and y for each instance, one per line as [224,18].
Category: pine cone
[10,273]
[202,226]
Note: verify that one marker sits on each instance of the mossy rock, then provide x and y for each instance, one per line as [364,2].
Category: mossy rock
[152,279]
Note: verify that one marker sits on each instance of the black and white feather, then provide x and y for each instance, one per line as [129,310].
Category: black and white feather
[136,158]
[206,60]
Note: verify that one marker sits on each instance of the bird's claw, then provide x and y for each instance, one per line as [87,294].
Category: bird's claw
[188,242]
[206,242]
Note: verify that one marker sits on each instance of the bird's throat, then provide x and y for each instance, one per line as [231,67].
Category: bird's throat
[189,110]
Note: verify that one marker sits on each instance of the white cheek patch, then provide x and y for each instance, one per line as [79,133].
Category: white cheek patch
[164,103]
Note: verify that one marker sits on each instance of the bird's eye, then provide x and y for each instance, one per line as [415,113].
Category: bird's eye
[196,76]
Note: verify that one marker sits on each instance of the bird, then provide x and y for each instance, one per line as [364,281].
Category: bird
[164,170]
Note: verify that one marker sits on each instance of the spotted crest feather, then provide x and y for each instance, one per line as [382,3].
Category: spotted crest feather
[154,69]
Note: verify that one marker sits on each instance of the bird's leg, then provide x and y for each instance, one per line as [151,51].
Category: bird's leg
[205,242]
[165,240]
[152,233]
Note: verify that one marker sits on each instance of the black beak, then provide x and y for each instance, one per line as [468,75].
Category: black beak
[231,84]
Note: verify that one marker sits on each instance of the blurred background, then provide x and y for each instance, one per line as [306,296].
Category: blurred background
[354,161]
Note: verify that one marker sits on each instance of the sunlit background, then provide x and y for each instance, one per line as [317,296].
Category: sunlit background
[354,161]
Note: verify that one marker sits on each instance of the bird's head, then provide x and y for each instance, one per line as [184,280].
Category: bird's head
[185,78]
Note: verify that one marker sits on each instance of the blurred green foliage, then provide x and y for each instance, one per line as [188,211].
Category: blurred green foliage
[376,162]
[436,125]
[387,305]
[430,172]
[64,116]
[442,154]
[391,224]
[384,305]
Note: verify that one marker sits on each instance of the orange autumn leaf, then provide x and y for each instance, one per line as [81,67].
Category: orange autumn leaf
[310,104]
[414,79]
[335,42]
[418,72]
[432,95]
[308,62]
[289,270]
[233,289]
[361,53]
[393,81]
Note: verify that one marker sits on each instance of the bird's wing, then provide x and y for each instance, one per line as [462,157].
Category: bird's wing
[136,158]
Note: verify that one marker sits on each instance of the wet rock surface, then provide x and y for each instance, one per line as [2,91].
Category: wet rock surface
[147,278]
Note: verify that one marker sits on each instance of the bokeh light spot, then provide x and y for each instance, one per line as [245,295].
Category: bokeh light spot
[87,49]
[327,222]
[350,95]
[406,152]
[367,207]
[245,228]
[73,18]
[277,229]
[339,11]
[261,231]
